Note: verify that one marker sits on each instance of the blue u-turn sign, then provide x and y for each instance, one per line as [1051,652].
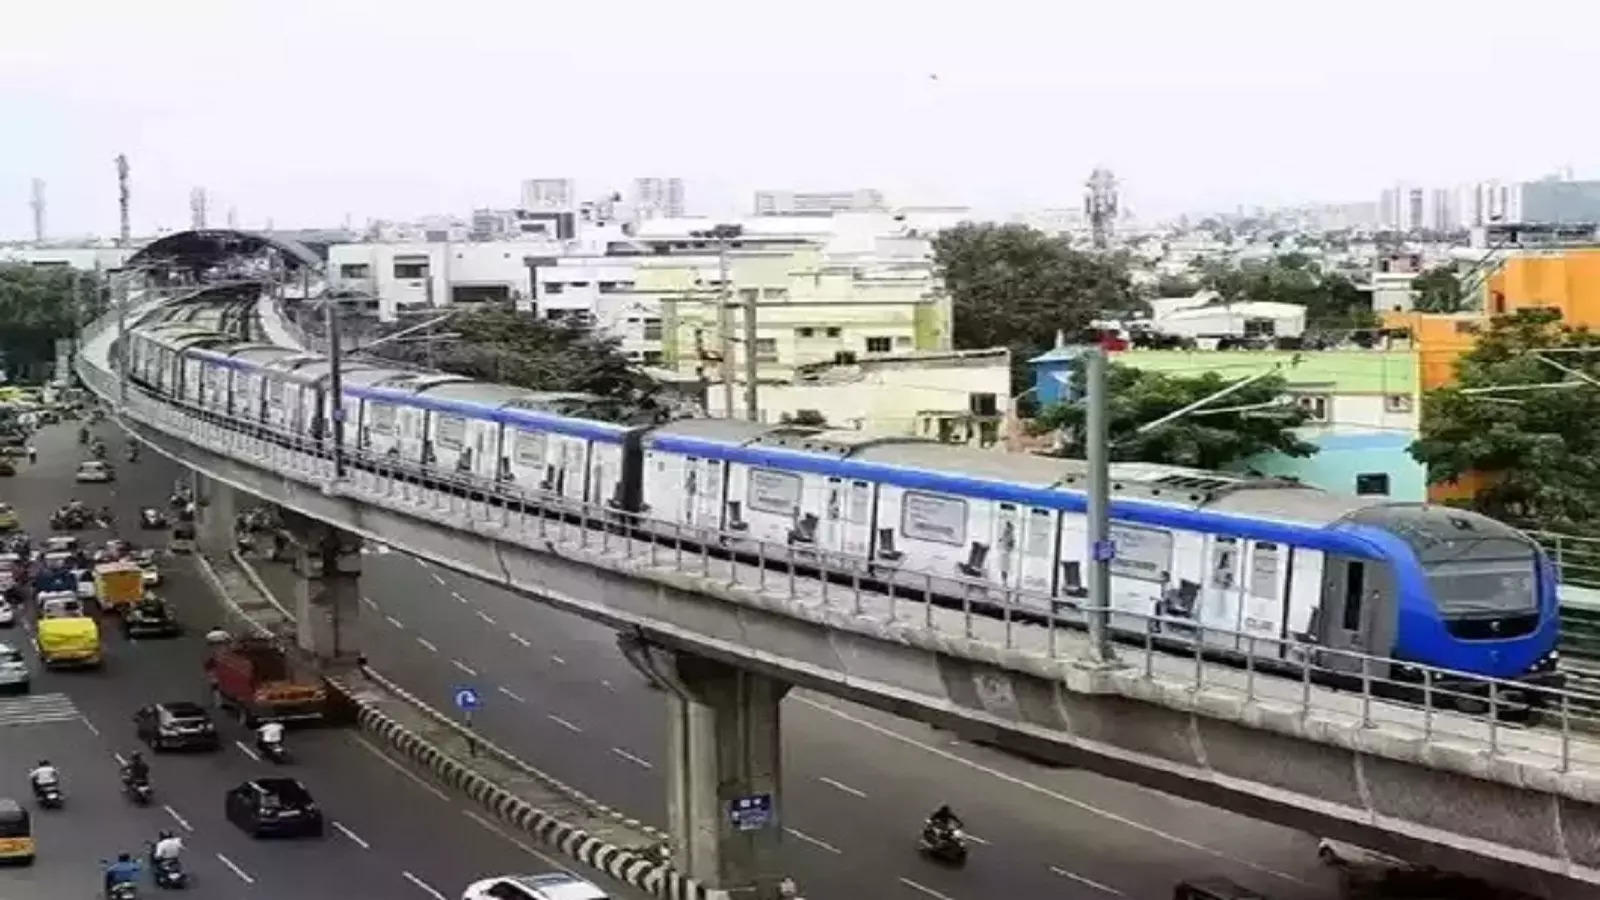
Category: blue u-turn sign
[466,698]
[751,812]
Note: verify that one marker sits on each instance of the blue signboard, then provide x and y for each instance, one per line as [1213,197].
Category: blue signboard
[1105,551]
[466,698]
[750,813]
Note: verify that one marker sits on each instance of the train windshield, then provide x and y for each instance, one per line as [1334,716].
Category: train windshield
[1485,587]
[1476,567]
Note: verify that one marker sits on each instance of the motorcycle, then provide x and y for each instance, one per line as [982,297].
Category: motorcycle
[48,795]
[133,454]
[946,845]
[274,752]
[97,450]
[138,790]
[122,890]
[168,873]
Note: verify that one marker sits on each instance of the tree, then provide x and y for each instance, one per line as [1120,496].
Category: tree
[1439,290]
[1332,301]
[1536,453]
[1014,286]
[37,306]
[501,345]
[1254,419]
[1175,286]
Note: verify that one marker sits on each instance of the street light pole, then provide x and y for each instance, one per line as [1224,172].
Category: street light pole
[751,411]
[725,325]
[121,296]
[335,383]
[1101,548]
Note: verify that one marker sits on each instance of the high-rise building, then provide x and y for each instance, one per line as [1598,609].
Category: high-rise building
[547,194]
[816,203]
[655,197]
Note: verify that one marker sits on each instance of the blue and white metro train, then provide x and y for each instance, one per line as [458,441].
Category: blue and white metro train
[1243,558]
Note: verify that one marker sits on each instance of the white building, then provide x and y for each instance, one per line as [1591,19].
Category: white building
[813,203]
[549,194]
[657,197]
[1253,319]
[601,291]
[84,259]
[431,274]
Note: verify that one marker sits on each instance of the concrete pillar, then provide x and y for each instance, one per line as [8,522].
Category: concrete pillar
[724,779]
[216,508]
[327,594]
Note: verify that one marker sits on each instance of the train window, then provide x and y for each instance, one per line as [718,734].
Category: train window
[860,502]
[1372,483]
[1264,571]
[928,517]
[1037,542]
[381,417]
[450,431]
[1355,577]
[1142,553]
[772,491]
[530,447]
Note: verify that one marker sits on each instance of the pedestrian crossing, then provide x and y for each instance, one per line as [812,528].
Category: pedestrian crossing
[37,709]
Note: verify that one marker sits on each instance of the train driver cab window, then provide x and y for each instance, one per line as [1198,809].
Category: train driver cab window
[1354,586]
[1370,484]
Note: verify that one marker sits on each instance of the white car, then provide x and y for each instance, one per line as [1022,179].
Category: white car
[14,673]
[93,470]
[85,586]
[550,886]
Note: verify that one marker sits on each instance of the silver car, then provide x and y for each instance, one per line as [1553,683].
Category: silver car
[14,672]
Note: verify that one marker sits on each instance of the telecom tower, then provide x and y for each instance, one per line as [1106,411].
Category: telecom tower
[38,209]
[126,234]
[197,208]
[1100,205]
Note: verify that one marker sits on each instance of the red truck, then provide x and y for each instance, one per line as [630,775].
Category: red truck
[253,677]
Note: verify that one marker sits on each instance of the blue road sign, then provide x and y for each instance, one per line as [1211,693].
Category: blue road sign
[466,698]
[1105,551]
[750,813]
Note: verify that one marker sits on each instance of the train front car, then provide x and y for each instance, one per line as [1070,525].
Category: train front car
[1476,596]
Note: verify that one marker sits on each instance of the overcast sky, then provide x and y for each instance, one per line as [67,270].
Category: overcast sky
[304,111]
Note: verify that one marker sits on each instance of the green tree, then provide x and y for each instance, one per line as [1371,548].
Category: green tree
[1175,286]
[1014,286]
[1537,451]
[499,344]
[1254,419]
[37,306]
[1439,290]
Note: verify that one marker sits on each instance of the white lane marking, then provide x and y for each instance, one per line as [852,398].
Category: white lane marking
[120,760]
[464,667]
[975,839]
[395,622]
[245,749]
[485,616]
[631,758]
[519,639]
[557,660]
[550,860]
[371,603]
[437,578]
[432,647]
[924,888]
[422,884]
[180,819]
[90,725]
[1044,791]
[241,873]
[402,769]
[1088,881]
[813,841]
[512,694]
[564,723]
[352,836]
[839,785]
[457,595]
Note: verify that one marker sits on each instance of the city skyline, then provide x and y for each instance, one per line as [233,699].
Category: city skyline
[1193,110]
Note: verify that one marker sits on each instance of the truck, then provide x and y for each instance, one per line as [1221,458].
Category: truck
[118,585]
[65,635]
[254,678]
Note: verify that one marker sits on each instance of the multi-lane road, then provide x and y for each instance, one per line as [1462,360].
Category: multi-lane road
[856,782]
[391,834]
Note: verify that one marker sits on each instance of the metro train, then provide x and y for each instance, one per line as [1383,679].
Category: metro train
[1228,560]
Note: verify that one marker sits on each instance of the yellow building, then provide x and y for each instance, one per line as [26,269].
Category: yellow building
[809,308]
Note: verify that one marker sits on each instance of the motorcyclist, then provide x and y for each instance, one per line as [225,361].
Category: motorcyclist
[133,453]
[943,821]
[83,434]
[136,770]
[168,847]
[123,871]
[44,775]
[270,734]
[107,516]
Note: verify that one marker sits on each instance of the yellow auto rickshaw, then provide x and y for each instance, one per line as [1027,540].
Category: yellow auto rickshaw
[16,833]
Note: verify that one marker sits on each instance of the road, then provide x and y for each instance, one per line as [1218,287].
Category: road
[857,782]
[391,833]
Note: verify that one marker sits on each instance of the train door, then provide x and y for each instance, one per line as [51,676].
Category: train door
[1344,621]
[1264,595]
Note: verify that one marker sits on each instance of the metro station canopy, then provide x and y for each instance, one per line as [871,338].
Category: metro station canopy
[213,246]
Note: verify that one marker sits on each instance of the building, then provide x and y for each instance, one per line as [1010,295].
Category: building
[432,274]
[600,291]
[658,197]
[549,194]
[954,396]
[83,259]
[1553,201]
[1363,407]
[1214,322]
[816,203]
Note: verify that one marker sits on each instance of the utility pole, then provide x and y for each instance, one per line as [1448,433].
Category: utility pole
[335,383]
[1101,547]
[38,210]
[125,232]
[120,297]
[725,327]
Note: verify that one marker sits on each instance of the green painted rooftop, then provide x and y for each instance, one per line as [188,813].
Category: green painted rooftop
[1347,371]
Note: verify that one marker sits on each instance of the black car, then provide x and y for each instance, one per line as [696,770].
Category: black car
[274,806]
[176,726]
[1213,889]
[150,617]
